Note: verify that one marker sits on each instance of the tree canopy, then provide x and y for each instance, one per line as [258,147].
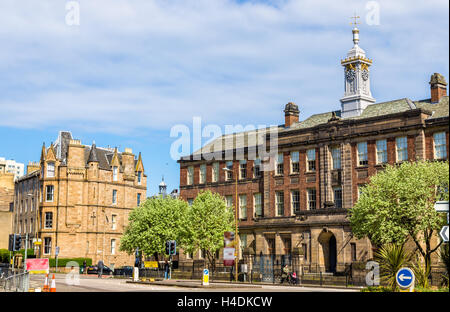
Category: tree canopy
[154,222]
[207,220]
[398,204]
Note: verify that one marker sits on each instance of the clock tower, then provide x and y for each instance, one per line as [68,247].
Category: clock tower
[357,80]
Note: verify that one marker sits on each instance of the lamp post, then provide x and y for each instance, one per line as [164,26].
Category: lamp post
[235,224]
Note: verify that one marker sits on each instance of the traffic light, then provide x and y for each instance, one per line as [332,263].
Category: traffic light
[17,242]
[168,247]
[173,248]
[11,242]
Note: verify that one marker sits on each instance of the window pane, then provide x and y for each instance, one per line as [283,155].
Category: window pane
[279,198]
[362,153]
[336,155]
[338,197]
[402,148]
[312,199]
[440,145]
[381,151]
[243,206]
[258,205]
[295,196]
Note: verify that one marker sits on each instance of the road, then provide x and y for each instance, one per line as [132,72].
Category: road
[94,284]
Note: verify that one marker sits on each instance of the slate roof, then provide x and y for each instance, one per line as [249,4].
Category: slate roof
[438,110]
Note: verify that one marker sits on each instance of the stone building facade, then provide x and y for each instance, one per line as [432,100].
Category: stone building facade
[299,206]
[6,204]
[85,196]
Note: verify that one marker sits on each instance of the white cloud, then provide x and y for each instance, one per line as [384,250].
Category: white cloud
[148,64]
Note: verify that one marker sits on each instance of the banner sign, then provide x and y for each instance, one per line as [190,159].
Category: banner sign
[38,266]
[228,238]
[228,256]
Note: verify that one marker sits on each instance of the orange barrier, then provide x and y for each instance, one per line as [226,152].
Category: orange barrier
[45,288]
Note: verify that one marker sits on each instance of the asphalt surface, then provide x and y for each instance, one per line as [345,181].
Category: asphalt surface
[91,283]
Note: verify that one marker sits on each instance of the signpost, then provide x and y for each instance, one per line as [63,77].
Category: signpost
[442,206]
[205,281]
[405,279]
[444,234]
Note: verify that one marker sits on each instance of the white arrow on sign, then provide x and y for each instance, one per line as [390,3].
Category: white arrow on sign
[444,233]
[402,277]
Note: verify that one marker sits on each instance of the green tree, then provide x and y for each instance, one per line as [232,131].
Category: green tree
[154,222]
[398,204]
[208,219]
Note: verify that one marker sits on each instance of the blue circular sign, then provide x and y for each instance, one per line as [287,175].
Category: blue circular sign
[205,271]
[404,277]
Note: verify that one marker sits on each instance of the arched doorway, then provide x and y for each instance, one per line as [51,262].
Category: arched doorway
[328,257]
[333,255]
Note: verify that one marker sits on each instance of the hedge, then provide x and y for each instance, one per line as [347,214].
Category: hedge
[4,254]
[63,261]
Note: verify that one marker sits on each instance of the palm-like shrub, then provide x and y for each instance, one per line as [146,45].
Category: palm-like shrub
[421,272]
[391,258]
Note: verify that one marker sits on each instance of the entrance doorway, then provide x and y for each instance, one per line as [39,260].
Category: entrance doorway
[328,257]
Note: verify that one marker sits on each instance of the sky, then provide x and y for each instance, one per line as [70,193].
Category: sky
[123,73]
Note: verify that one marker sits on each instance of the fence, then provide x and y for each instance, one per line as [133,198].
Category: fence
[15,282]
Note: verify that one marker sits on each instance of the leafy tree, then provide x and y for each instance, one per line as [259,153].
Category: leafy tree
[208,219]
[398,204]
[154,222]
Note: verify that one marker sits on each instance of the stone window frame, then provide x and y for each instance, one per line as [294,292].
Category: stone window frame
[50,169]
[401,148]
[257,206]
[51,194]
[202,174]
[190,175]
[295,162]
[295,201]
[243,207]
[279,170]
[279,203]
[139,177]
[113,222]
[48,220]
[336,158]
[113,246]
[311,161]
[336,200]
[47,245]
[115,173]
[257,168]
[215,172]
[229,201]
[361,148]
[441,147]
[114,197]
[311,201]
[242,169]
[383,152]
[353,251]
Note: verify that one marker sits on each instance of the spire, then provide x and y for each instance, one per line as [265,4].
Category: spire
[93,154]
[43,152]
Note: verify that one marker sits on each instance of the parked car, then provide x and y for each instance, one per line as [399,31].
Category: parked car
[93,269]
[126,271]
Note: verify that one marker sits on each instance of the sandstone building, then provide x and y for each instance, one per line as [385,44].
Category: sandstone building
[85,195]
[299,207]
[6,206]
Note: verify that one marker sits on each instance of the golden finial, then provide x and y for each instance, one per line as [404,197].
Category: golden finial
[355,22]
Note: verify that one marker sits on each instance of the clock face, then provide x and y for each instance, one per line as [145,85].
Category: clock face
[350,74]
[365,74]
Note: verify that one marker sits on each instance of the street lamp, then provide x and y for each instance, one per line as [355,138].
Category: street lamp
[235,223]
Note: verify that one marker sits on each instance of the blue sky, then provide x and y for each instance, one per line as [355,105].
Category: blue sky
[133,69]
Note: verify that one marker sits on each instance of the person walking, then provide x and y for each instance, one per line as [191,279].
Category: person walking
[166,270]
[284,274]
[100,268]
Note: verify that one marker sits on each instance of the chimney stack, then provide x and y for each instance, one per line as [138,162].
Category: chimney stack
[291,114]
[438,87]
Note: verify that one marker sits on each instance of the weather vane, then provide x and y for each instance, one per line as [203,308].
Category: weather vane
[355,22]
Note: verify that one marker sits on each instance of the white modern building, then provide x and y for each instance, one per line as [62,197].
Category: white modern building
[11,166]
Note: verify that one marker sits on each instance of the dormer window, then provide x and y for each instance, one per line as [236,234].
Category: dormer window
[114,173]
[50,170]
[139,177]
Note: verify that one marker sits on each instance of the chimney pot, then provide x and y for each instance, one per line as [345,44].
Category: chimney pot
[291,114]
[438,87]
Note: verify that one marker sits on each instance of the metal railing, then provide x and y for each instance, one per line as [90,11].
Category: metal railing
[17,282]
